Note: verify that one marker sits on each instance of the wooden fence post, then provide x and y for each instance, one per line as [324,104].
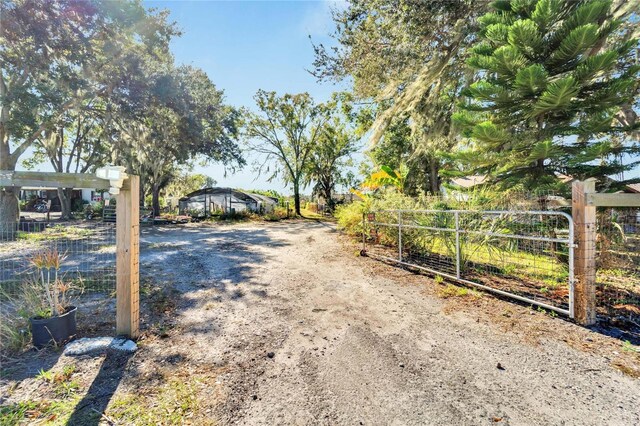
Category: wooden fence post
[584,220]
[127,254]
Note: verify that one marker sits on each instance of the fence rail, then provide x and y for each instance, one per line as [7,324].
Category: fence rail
[524,255]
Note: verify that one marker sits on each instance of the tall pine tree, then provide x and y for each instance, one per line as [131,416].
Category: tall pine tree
[553,75]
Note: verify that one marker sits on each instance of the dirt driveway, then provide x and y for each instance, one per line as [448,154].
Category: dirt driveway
[284,324]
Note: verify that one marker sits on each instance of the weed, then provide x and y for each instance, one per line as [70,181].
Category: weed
[46,376]
[551,313]
[454,291]
[68,370]
[438,279]
[509,269]
[627,346]
[63,386]
[66,389]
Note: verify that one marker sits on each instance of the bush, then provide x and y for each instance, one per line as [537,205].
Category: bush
[96,208]
[78,205]
[350,217]
[276,215]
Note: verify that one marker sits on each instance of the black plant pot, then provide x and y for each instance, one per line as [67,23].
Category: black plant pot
[45,331]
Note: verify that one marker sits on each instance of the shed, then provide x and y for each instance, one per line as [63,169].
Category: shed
[266,204]
[210,201]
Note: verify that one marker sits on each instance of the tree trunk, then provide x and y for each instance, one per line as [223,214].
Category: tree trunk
[9,205]
[433,176]
[65,194]
[296,198]
[327,189]
[9,213]
[155,200]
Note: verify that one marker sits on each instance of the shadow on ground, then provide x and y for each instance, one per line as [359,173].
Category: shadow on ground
[89,411]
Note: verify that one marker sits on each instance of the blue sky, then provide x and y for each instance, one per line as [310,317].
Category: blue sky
[248,45]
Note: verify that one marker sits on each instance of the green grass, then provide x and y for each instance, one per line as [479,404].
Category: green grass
[517,263]
[308,214]
[48,412]
[172,403]
[57,232]
[45,411]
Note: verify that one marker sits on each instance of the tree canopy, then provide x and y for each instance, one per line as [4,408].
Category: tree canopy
[93,82]
[553,78]
[284,134]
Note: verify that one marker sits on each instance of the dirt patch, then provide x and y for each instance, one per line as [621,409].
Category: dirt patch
[283,323]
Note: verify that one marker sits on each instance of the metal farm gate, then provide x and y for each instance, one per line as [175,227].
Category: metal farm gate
[524,255]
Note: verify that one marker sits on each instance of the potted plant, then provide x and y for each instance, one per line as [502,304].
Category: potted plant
[55,321]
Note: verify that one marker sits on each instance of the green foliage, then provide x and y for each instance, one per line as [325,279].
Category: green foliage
[553,77]
[88,85]
[285,131]
[185,183]
[330,157]
[387,177]
[404,59]
[349,217]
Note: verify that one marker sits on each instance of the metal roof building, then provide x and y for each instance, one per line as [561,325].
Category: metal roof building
[211,201]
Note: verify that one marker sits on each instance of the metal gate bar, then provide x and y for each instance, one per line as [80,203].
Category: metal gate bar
[457,222]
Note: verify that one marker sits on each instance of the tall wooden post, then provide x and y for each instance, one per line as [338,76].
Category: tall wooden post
[584,221]
[127,253]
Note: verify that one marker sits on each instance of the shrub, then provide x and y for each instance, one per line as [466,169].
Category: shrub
[77,204]
[27,301]
[350,217]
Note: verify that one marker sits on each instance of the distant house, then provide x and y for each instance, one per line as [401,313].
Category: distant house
[87,196]
[459,186]
[633,188]
[458,189]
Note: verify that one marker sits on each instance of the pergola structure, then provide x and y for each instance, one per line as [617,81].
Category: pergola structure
[126,188]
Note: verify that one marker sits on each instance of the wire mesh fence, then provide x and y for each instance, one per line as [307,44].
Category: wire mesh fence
[618,263]
[526,255]
[86,250]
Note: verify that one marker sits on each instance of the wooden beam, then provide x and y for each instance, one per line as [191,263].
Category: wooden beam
[613,200]
[52,180]
[127,258]
[584,222]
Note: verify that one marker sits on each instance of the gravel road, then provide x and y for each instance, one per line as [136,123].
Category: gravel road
[303,331]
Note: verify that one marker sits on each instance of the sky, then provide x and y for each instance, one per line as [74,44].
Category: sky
[248,45]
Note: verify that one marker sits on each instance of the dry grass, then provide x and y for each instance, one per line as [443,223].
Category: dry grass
[451,290]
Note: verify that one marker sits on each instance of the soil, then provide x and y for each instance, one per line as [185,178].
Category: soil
[284,323]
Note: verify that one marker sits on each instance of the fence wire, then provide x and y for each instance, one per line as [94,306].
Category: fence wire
[86,248]
[527,255]
[618,263]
